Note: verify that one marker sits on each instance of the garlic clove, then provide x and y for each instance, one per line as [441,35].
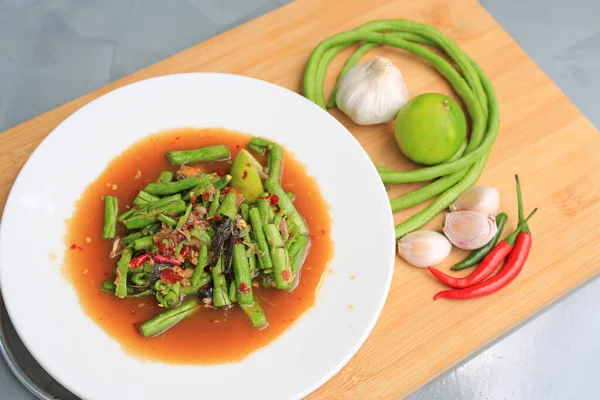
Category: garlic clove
[485,199]
[469,230]
[424,248]
[372,92]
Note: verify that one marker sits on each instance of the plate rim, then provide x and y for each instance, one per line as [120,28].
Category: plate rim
[41,146]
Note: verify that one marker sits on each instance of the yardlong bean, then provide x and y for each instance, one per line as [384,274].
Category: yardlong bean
[210,153]
[469,82]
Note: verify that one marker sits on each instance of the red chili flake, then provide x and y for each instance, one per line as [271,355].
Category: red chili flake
[244,288]
[178,237]
[239,241]
[204,287]
[170,215]
[185,250]
[276,211]
[177,138]
[73,246]
[285,274]
[204,196]
[170,276]
[220,173]
[237,146]
[159,258]
[215,218]
[323,231]
[226,190]
[136,262]
[193,199]
[79,248]
[273,199]
[298,298]
[162,246]
[245,175]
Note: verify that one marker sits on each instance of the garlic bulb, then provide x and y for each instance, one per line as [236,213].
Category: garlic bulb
[424,248]
[485,199]
[372,92]
[469,230]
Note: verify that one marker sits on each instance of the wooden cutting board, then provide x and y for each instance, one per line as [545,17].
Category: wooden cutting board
[543,137]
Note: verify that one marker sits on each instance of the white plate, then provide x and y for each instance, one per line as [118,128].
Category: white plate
[80,355]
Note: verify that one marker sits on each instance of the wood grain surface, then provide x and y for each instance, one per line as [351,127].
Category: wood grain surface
[543,137]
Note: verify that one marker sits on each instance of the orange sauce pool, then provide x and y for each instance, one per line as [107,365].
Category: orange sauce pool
[209,336]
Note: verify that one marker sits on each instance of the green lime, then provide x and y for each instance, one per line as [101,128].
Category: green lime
[430,128]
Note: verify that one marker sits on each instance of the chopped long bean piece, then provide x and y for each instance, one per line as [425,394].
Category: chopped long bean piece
[144,198]
[167,220]
[214,205]
[143,243]
[232,292]
[183,219]
[165,177]
[244,209]
[220,293]
[210,153]
[168,319]
[122,270]
[264,208]
[298,259]
[222,182]
[298,245]
[127,214]
[111,211]
[142,220]
[163,189]
[131,238]
[281,262]
[241,270]
[285,204]
[110,287]
[256,314]
[200,277]
[275,162]
[260,238]
[228,207]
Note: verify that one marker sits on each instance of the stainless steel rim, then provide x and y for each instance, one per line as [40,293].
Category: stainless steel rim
[15,366]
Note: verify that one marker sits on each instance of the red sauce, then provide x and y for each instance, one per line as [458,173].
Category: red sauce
[209,336]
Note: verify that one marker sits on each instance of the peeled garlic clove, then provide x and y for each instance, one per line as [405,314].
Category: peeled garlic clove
[485,199]
[424,248]
[469,230]
[372,92]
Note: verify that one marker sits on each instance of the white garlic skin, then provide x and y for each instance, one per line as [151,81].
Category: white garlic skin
[469,230]
[372,92]
[485,199]
[424,248]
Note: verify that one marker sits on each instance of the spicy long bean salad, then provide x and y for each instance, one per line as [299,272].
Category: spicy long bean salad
[197,239]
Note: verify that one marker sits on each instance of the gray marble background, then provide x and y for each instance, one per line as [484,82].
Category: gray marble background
[52,51]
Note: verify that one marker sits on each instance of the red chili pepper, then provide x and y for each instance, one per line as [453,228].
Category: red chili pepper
[220,173]
[162,246]
[512,267]
[136,262]
[160,258]
[185,250]
[178,237]
[214,218]
[488,265]
[73,246]
[170,276]
[244,288]
[226,190]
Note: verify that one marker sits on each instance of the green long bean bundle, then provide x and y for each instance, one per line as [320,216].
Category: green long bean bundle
[468,81]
